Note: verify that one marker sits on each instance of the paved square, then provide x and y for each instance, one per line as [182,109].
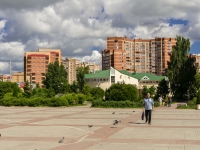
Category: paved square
[27,128]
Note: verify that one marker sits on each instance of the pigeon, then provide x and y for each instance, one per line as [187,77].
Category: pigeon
[113,113]
[89,126]
[116,122]
[61,141]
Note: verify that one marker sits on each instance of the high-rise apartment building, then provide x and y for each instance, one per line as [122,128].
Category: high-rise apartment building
[71,65]
[36,64]
[138,55]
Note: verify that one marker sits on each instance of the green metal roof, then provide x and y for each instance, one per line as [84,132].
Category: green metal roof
[139,76]
[99,74]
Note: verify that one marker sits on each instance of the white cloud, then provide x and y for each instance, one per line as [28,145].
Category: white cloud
[95,57]
[83,26]
[2,24]
[79,50]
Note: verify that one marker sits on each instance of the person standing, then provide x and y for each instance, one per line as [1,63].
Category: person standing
[148,106]
[160,100]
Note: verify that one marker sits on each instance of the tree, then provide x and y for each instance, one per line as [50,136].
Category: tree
[181,68]
[145,90]
[80,72]
[74,87]
[151,90]
[27,91]
[121,92]
[87,89]
[162,88]
[9,87]
[55,77]
[97,93]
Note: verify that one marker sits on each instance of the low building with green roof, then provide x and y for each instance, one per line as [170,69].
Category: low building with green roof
[145,79]
[105,78]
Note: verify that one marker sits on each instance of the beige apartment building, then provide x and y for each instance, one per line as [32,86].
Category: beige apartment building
[72,64]
[92,66]
[36,64]
[19,77]
[197,56]
[138,55]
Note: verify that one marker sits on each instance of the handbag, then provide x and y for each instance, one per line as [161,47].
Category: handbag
[142,117]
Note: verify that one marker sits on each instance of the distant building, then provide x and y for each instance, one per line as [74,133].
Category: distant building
[106,78]
[19,77]
[197,56]
[138,55]
[71,65]
[36,64]
[4,78]
[92,66]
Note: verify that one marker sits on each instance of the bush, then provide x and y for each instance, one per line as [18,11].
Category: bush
[81,98]
[115,104]
[121,92]
[97,93]
[198,97]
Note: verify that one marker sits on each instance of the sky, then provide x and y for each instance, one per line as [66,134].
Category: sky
[80,27]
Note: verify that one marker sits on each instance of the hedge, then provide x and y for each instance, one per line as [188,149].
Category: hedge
[67,100]
[119,104]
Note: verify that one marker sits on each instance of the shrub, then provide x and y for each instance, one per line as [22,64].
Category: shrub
[81,98]
[121,92]
[115,104]
[97,93]
[198,97]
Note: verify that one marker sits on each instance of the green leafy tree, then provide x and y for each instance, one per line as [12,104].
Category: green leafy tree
[97,93]
[151,90]
[27,92]
[87,89]
[198,97]
[145,90]
[80,72]
[162,88]
[181,68]
[55,77]
[74,87]
[16,90]
[9,87]
[121,92]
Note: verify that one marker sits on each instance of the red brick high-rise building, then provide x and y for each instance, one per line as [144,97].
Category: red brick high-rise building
[36,64]
[138,55]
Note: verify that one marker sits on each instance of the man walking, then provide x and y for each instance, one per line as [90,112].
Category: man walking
[148,106]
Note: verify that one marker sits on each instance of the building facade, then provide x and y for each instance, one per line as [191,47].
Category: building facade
[105,78]
[92,66]
[36,64]
[19,77]
[71,65]
[5,78]
[138,55]
[197,56]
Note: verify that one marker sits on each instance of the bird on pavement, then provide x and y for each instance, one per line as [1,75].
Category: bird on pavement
[61,141]
[116,122]
[89,126]
[113,113]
